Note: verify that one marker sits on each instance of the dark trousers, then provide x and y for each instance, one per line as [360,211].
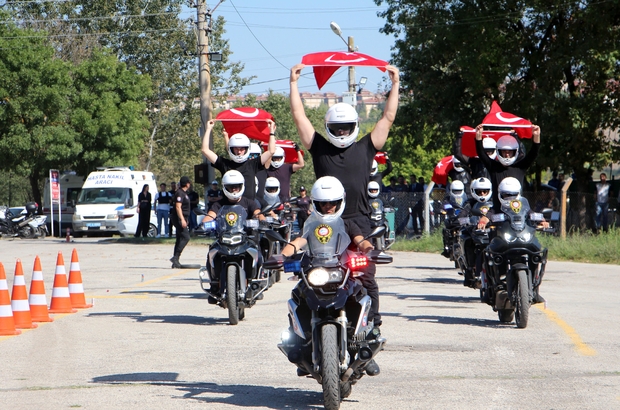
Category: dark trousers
[368,278]
[301,219]
[144,220]
[182,238]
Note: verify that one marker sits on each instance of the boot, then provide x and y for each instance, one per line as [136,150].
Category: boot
[537,298]
[175,262]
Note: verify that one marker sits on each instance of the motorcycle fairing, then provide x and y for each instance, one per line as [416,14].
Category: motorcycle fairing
[325,241]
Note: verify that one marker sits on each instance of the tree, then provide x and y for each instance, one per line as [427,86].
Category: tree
[553,62]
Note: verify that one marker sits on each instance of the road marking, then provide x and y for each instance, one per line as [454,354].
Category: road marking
[582,347]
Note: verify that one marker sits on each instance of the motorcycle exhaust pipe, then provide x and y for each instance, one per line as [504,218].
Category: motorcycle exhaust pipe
[363,356]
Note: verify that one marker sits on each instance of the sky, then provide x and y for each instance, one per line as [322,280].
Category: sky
[270,37]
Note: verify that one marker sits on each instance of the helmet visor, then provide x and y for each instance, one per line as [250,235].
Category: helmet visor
[508,195]
[373,191]
[271,189]
[341,128]
[481,192]
[489,151]
[507,153]
[277,159]
[233,187]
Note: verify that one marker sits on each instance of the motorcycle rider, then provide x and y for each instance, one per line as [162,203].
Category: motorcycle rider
[452,206]
[377,176]
[460,173]
[376,204]
[509,191]
[474,164]
[283,172]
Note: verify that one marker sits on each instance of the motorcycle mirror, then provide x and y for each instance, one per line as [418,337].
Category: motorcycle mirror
[378,231]
[293,200]
[199,211]
[392,200]
[274,236]
[379,257]
[266,209]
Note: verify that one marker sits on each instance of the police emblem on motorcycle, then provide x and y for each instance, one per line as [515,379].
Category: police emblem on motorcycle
[375,204]
[231,218]
[515,206]
[484,210]
[323,233]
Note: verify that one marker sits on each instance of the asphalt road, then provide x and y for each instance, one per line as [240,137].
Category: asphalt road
[151,341]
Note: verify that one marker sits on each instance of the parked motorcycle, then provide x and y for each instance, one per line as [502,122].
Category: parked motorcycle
[514,262]
[233,277]
[377,218]
[330,337]
[27,225]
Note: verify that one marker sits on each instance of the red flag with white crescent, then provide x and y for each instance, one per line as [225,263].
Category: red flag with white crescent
[496,118]
[326,63]
[246,120]
[440,173]
[290,153]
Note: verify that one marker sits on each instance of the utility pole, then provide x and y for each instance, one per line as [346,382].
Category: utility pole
[352,83]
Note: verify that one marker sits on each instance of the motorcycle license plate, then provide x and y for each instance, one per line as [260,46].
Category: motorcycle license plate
[93,224]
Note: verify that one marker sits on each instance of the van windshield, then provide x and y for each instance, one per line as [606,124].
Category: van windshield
[104,196]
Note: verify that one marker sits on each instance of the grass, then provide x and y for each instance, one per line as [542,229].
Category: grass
[588,247]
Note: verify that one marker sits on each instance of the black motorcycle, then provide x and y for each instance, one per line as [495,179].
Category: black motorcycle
[330,337]
[377,218]
[27,225]
[471,245]
[451,232]
[514,262]
[233,277]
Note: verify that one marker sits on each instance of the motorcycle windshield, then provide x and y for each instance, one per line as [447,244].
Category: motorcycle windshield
[231,218]
[376,206]
[517,212]
[326,241]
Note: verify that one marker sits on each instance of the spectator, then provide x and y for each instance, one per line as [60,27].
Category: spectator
[603,191]
[392,186]
[163,199]
[173,190]
[554,181]
[194,199]
[402,184]
[144,212]
[303,203]
[414,183]
[214,194]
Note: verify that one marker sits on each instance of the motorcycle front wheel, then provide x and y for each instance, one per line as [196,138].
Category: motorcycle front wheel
[26,232]
[231,295]
[522,310]
[329,367]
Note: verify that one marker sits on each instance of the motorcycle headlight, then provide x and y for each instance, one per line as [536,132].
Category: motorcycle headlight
[320,276]
[525,237]
[232,239]
[509,238]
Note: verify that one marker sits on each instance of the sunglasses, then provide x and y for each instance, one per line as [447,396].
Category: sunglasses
[324,203]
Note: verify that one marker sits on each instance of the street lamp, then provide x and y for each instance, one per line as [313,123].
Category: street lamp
[350,48]
[361,84]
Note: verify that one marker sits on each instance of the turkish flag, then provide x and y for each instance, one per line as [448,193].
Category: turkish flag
[246,120]
[381,157]
[440,173]
[496,118]
[468,140]
[290,153]
[326,63]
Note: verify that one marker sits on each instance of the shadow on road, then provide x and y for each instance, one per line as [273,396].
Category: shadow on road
[171,319]
[425,267]
[213,393]
[434,298]
[193,295]
[452,320]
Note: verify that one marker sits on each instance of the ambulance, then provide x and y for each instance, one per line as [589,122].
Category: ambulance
[109,196]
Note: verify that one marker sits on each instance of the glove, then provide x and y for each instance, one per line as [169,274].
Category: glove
[296,146]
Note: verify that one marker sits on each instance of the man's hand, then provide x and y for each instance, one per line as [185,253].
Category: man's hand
[536,134]
[296,72]
[482,223]
[272,126]
[296,146]
[393,73]
[479,132]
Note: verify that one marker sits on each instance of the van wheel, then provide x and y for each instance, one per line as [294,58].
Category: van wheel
[152,231]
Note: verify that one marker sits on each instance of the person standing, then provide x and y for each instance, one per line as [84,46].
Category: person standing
[180,219]
[173,191]
[214,194]
[303,203]
[144,212]
[350,161]
[194,199]
[162,208]
[603,191]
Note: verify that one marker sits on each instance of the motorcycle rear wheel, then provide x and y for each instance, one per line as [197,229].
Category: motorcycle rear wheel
[26,232]
[231,295]
[522,309]
[329,367]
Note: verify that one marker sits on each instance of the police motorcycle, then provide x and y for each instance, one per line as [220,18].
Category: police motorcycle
[26,225]
[514,261]
[330,337]
[473,241]
[377,217]
[233,277]
[452,227]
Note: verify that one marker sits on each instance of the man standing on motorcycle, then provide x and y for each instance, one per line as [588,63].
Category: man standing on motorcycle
[350,161]
[283,172]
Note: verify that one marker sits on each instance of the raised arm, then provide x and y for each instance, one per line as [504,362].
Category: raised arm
[303,124]
[532,154]
[300,159]
[206,141]
[271,148]
[380,133]
[389,167]
[457,149]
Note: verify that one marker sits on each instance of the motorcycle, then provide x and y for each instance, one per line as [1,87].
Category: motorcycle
[330,337]
[377,218]
[451,232]
[514,262]
[471,244]
[233,277]
[27,225]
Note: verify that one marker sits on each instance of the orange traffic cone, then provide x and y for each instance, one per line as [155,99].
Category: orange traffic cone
[19,300]
[61,301]
[7,323]
[76,288]
[37,299]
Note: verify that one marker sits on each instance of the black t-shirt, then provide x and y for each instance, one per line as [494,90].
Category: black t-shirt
[249,205]
[282,174]
[180,197]
[248,169]
[145,201]
[194,198]
[350,165]
[303,203]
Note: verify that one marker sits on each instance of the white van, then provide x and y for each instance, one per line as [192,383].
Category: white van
[109,195]
[70,187]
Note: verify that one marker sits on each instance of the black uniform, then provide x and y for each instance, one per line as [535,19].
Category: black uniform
[249,205]
[475,166]
[182,237]
[144,216]
[248,169]
[351,166]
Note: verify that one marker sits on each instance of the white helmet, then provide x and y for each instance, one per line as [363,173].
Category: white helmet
[255,150]
[490,147]
[457,193]
[328,189]
[478,186]
[373,189]
[509,190]
[233,185]
[374,168]
[341,116]
[507,143]
[239,141]
[457,164]
[272,190]
[279,154]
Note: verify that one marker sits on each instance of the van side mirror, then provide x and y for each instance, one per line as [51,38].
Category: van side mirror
[72,203]
[129,203]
